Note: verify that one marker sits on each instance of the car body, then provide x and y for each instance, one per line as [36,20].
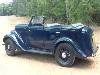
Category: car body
[45,38]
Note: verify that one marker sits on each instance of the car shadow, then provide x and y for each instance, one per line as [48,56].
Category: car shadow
[83,63]
[79,63]
[37,57]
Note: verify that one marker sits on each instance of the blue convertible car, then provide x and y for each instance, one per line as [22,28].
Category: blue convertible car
[65,42]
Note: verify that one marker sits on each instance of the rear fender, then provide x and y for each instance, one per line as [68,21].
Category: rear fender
[77,51]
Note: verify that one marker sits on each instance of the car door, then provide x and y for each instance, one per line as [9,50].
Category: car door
[50,35]
[36,35]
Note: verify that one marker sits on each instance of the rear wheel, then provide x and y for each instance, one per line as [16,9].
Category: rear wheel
[64,55]
[10,47]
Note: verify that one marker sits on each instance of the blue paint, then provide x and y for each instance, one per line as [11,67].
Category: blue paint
[46,38]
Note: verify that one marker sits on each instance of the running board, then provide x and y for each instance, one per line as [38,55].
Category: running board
[39,51]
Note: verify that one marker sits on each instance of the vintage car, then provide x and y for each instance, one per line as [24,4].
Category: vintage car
[65,42]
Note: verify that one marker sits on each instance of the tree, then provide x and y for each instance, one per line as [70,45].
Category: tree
[6,9]
[85,11]
[81,10]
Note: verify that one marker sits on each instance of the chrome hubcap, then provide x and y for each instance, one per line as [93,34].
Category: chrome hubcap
[8,47]
[64,55]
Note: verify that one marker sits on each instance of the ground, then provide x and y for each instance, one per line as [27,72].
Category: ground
[36,64]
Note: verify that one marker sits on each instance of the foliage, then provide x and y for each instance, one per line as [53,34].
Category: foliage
[6,9]
[83,10]
[86,11]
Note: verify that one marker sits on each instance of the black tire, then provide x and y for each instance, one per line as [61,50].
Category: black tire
[10,47]
[64,55]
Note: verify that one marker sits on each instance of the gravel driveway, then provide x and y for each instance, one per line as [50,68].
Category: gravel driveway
[36,64]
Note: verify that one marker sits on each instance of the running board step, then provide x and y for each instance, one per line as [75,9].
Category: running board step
[39,51]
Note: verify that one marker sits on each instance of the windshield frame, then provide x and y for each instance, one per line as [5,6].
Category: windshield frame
[36,20]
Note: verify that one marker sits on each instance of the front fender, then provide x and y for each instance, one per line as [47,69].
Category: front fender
[16,38]
[77,50]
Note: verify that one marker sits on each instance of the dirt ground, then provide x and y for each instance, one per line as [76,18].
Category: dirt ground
[36,64]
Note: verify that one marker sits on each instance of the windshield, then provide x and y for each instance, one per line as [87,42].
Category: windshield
[37,20]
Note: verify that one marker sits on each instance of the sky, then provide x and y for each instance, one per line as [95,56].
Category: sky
[5,1]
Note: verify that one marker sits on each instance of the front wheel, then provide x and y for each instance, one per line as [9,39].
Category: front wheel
[10,47]
[64,55]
